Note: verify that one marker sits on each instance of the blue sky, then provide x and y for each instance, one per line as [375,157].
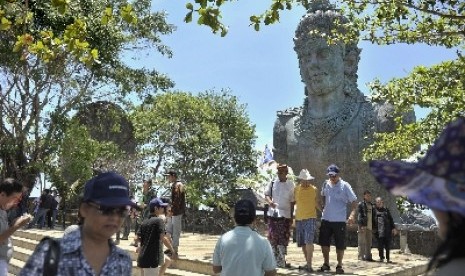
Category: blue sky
[261,68]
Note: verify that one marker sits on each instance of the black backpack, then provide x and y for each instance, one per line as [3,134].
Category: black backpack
[52,256]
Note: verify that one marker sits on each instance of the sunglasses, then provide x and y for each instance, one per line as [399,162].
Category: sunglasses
[110,211]
[332,175]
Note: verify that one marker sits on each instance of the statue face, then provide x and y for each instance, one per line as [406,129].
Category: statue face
[322,70]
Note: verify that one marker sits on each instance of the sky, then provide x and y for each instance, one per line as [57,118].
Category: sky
[261,68]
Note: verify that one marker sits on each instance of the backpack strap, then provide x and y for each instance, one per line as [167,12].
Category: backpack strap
[52,256]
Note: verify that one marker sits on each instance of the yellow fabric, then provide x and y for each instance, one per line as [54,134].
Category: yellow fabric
[305,202]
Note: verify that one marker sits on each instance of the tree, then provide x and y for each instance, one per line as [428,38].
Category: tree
[59,55]
[439,89]
[207,137]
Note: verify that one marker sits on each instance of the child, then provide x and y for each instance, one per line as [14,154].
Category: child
[167,254]
[152,236]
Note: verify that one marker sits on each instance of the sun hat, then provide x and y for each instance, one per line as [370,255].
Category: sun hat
[108,189]
[438,179]
[332,170]
[305,175]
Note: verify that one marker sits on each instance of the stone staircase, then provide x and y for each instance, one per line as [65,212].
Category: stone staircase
[24,242]
[195,256]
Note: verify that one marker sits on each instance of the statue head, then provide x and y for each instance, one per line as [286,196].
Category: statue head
[325,67]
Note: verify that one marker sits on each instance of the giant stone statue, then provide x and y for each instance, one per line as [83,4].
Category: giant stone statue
[336,121]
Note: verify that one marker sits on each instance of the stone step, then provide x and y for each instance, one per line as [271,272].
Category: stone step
[24,243]
[21,255]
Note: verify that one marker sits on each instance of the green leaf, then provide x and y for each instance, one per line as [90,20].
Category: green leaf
[5,24]
[188,17]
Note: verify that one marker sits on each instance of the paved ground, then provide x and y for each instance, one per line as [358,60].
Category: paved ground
[200,247]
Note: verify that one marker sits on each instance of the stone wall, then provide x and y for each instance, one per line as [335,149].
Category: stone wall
[215,223]
[423,242]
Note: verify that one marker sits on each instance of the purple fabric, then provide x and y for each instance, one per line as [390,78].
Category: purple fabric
[437,180]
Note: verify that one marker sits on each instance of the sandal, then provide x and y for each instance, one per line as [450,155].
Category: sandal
[306,268]
[325,267]
[339,270]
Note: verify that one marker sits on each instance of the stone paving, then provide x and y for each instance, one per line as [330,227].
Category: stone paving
[200,247]
[196,251]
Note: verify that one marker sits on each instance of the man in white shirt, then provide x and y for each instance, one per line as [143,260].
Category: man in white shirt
[280,197]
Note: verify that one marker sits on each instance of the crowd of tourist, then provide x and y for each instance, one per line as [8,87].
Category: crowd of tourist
[436,181]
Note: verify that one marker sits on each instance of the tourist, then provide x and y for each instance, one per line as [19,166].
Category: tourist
[336,194]
[87,249]
[126,228]
[45,205]
[280,197]
[52,214]
[365,227]
[10,194]
[242,251]
[152,237]
[167,254]
[437,180]
[306,203]
[178,207]
[384,229]
[148,193]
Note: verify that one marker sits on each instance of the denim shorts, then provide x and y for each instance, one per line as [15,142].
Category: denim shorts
[305,231]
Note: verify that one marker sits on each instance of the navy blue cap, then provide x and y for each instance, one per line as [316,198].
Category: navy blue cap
[157,202]
[108,189]
[332,170]
[244,212]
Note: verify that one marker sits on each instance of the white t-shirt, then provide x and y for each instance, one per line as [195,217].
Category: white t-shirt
[283,195]
[243,252]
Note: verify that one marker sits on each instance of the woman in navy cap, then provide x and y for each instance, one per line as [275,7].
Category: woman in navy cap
[89,249]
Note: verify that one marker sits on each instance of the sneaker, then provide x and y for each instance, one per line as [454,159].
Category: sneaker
[339,270]
[325,267]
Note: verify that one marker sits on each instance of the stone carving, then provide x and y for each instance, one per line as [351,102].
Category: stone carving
[336,121]
[106,121]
